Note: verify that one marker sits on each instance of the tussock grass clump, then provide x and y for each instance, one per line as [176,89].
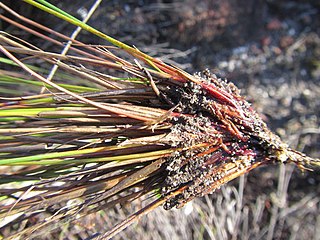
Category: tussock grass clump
[108,125]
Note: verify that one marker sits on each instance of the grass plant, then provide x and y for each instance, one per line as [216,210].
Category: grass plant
[112,125]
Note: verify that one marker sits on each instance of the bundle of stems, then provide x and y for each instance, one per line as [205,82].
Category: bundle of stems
[98,126]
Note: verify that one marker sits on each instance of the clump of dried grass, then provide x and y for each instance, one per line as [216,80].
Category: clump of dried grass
[116,125]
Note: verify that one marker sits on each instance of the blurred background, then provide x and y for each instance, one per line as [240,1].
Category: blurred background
[271,50]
